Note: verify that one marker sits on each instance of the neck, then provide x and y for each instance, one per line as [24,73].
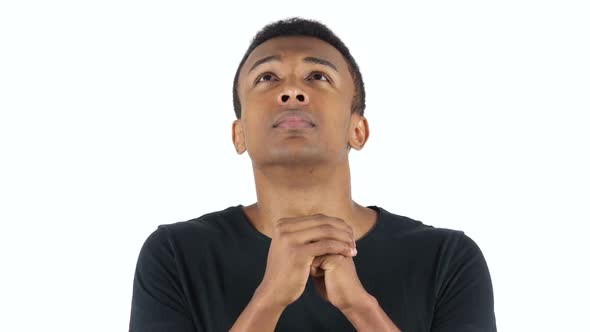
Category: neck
[284,192]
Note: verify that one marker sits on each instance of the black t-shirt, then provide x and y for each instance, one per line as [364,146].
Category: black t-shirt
[200,274]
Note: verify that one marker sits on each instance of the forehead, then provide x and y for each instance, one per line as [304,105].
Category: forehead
[296,46]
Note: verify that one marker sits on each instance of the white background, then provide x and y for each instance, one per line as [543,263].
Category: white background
[116,116]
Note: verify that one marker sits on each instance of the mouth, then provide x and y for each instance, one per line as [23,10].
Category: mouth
[294,124]
[294,120]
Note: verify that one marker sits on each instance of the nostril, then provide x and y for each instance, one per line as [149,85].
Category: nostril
[300,98]
[284,98]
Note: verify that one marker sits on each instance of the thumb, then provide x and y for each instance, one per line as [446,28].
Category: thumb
[326,262]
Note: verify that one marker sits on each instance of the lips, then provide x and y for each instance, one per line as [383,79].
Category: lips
[294,119]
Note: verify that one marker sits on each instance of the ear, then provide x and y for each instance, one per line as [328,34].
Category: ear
[359,131]
[238,136]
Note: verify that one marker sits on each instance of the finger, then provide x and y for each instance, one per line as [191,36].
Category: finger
[317,262]
[327,262]
[316,272]
[322,232]
[301,223]
[324,247]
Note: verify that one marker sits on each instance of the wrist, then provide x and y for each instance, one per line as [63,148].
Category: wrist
[265,300]
[362,314]
[260,314]
[364,304]
[367,315]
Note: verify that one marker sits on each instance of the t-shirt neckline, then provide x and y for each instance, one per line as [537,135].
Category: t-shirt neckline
[380,215]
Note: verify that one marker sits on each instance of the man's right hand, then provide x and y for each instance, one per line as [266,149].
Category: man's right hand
[295,243]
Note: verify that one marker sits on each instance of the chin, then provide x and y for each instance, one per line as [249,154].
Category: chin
[291,157]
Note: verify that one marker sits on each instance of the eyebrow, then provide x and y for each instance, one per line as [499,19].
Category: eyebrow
[309,59]
[320,61]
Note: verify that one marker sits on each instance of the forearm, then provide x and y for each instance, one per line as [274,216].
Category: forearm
[368,316]
[260,315]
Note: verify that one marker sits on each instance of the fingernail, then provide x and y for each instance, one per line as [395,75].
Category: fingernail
[353,251]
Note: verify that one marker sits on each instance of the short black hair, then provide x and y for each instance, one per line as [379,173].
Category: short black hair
[307,28]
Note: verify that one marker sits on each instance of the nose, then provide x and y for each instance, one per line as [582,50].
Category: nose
[294,96]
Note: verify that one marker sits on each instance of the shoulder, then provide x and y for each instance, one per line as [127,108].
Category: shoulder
[209,223]
[195,232]
[452,248]
[419,235]
[403,226]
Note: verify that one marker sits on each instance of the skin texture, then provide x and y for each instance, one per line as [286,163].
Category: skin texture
[300,173]
[302,179]
[296,243]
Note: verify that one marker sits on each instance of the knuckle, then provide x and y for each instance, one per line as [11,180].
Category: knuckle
[287,237]
[327,228]
[277,233]
[282,228]
[329,245]
[280,223]
[338,220]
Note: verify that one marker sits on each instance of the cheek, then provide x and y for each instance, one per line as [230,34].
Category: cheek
[262,93]
[329,100]
[253,127]
[254,106]
[258,97]
[335,130]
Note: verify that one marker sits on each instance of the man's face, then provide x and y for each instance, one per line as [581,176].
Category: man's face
[305,82]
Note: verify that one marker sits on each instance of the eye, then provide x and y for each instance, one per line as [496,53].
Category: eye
[317,75]
[266,77]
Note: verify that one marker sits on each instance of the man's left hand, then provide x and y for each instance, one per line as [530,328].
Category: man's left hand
[336,280]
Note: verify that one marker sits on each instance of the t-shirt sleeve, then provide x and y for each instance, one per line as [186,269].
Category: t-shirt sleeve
[465,302]
[158,304]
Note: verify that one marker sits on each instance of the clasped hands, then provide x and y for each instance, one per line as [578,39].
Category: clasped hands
[320,246]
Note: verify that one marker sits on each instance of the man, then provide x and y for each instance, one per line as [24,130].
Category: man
[305,256]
